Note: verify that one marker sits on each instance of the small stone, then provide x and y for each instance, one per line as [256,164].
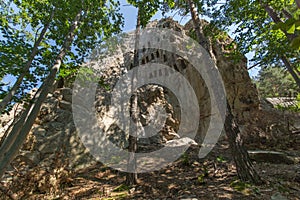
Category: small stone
[278,196]
[39,132]
[65,105]
[131,190]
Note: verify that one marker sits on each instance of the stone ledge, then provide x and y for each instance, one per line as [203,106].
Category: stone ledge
[271,157]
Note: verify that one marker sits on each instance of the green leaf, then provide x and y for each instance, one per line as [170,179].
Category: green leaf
[291,2]
[291,29]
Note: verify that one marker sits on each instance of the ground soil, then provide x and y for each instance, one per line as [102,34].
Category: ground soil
[189,177]
[213,177]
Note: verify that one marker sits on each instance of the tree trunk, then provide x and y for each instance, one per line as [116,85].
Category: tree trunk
[203,41]
[18,134]
[245,169]
[8,97]
[197,24]
[290,69]
[131,178]
[287,14]
[271,12]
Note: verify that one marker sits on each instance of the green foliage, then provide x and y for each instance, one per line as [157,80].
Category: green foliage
[221,159]
[255,28]
[148,8]
[87,76]
[294,108]
[275,82]
[201,177]
[240,186]
[291,26]
[19,29]
[185,159]
[106,86]
[21,23]
[121,188]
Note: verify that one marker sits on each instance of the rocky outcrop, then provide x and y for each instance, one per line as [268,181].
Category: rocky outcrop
[241,93]
[54,132]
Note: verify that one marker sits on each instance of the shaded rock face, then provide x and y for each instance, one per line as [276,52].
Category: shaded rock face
[54,130]
[54,133]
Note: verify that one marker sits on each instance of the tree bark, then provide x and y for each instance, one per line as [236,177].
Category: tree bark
[245,169]
[271,12]
[132,178]
[290,69]
[287,14]
[8,97]
[197,24]
[203,41]
[18,134]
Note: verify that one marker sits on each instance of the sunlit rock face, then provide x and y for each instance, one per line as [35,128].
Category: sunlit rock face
[54,133]
[240,91]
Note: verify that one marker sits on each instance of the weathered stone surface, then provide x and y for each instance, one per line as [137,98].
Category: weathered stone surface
[241,93]
[32,157]
[65,105]
[54,135]
[66,94]
[270,157]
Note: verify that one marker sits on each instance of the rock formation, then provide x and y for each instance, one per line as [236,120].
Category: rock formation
[54,133]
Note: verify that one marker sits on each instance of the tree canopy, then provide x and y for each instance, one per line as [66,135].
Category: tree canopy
[76,26]
[275,82]
[33,32]
[270,29]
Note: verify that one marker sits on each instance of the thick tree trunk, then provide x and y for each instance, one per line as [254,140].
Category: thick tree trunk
[7,99]
[131,177]
[18,134]
[245,169]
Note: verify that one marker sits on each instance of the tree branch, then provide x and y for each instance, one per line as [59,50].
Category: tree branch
[271,12]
